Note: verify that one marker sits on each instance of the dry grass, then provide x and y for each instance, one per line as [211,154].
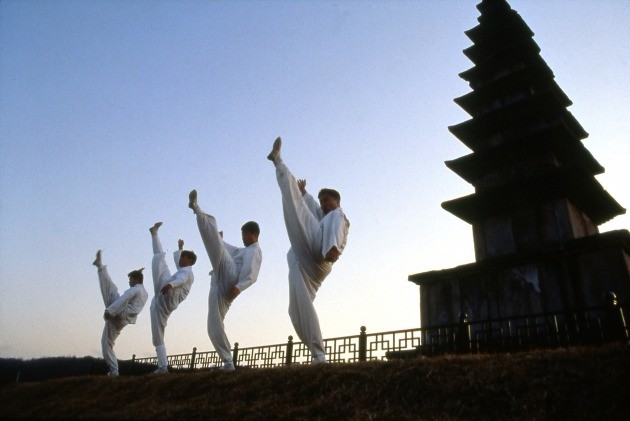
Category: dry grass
[576,383]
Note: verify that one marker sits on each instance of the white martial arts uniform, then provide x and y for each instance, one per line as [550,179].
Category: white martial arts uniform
[163,305]
[231,266]
[123,309]
[311,234]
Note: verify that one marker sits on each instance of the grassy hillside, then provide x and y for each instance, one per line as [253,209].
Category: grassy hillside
[576,383]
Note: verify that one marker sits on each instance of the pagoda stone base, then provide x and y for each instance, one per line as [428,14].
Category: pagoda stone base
[574,277]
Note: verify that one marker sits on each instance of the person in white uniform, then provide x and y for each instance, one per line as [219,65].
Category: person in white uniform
[120,310]
[318,235]
[169,290]
[234,269]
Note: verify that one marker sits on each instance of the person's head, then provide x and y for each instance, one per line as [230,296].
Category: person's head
[187,258]
[250,232]
[329,199]
[135,277]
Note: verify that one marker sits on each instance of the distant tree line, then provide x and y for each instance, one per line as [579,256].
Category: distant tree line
[16,370]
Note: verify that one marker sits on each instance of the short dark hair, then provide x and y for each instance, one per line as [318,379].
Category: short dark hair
[190,254]
[137,275]
[329,192]
[251,226]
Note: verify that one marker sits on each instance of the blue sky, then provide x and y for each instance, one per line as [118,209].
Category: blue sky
[112,111]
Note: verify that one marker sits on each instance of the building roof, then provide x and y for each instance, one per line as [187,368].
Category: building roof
[556,138]
[568,182]
[520,115]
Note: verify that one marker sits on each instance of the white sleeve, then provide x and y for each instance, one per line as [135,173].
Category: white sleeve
[252,261]
[179,279]
[313,206]
[335,232]
[120,304]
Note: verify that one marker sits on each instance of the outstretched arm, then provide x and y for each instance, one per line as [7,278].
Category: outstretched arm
[120,304]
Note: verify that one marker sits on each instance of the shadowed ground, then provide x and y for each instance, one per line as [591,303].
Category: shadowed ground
[576,383]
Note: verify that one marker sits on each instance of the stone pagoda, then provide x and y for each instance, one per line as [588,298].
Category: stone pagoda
[536,205]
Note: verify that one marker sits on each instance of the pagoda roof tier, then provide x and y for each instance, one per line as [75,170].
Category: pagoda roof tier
[492,8]
[508,50]
[486,72]
[535,74]
[556,138]
[523,114]
[563,182]
[504,20]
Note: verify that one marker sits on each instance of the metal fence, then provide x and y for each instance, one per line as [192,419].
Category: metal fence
[591,326]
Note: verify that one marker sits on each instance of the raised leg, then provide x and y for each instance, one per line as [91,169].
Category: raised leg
[109,291]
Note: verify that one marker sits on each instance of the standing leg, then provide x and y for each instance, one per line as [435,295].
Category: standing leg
[159,317]
[218,306]
[110,333]
[302,311]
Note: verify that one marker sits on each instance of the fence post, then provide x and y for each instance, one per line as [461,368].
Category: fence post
[616,329]
[235,354]
[462,344]
[289,356]
[192,358]
[362,345]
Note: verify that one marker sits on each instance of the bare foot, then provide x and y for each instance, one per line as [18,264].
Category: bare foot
[274,155]
[97,262]
[192,199]
[154,229]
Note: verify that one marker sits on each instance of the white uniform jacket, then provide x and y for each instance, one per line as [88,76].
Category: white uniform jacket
[130,304]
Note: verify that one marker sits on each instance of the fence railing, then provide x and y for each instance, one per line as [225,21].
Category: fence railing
[591,326]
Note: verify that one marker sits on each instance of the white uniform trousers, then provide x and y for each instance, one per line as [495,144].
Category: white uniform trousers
[307,267]
[114,325]
[223,277]
[161,305]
